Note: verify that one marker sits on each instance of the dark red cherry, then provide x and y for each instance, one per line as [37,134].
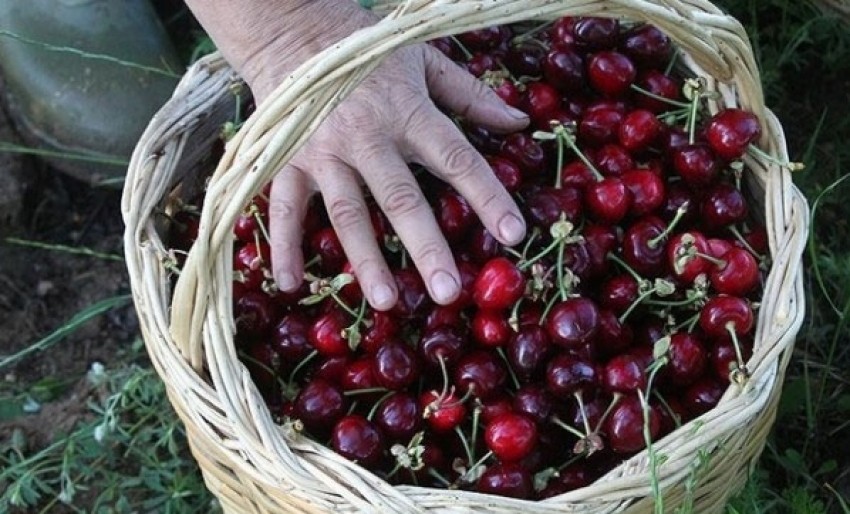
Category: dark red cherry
[528,350]
[703,395]
[623,374]
[480,63]
[525,60]
[625,424]
[508,173]
[326,245]
[573,322]
[486,38]
[618,293]
[381,327]
[508,91]
[686,359]
[722,206]
[569,479]
[254,312]
[443,316]
[326,334]
[482,139]
[413,299]
[534,401]
[396,366]
[447,47]
[600,126]
[730,132]
[490,328]
[567,374]
[546,205]
[499,284]
[564,69]
[356,438]
[612,160]
[482,245]
[724,358]
[608,200]
[613,336]
[442,343]
[319,405]
[643,246]
[399,416]
[454,215]
[511,436]
[696,164]
[481,372]
[576,174]
[525,151]
[543,102]
[647,46]
[647,189]
[596,33]
[611,73]
[509,479]
[659,85]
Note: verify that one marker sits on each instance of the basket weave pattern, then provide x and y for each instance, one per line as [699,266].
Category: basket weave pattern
[256,466]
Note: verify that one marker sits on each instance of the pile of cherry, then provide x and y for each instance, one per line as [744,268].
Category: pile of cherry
[626,312]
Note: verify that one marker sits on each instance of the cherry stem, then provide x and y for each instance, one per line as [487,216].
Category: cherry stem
[583,411]
[791,166]
[676,418]
[525,265]
[730,327]
[469,457]
[511,372]
[557,421]
[560,271]
[653,456]
[255,212]
[549,305]
[535,233]
[513,320]
[660,98]
[635,275]
[568,136]
[692,114]
[673,59]
[689,323]
[440,478]
[445,374]
[531,33]
[560,161]
[680,212]
[614,401]
[463,48]
[378,403]
[478,463]
[354,314]
[366,390]
[302,364]
[476,422]
[312,262]
[740,237]
[720,263]
[639,300]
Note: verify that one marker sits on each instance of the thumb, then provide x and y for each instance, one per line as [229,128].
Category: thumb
[456,89]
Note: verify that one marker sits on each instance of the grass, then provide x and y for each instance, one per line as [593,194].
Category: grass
[130,454]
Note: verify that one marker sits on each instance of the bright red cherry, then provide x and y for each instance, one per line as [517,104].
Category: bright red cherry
[326,334]
[511,436]
[600,126]
[730,132]
[442,412]
[686,253]
[623,374]
[499,284]
[454,215]
[738,275]
[490,328]
[639,130]
[720,314]
[608,200]
[687,358]
[696,164]
[647,188]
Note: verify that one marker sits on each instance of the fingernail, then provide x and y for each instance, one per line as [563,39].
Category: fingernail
[287,282]
[382,296]
[515,113]
[444,287]
[511,229]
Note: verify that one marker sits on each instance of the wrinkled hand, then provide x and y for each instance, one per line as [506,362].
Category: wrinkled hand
[388,121]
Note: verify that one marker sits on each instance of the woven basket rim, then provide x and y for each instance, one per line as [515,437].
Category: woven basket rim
[231,404]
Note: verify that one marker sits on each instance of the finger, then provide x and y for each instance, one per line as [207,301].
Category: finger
[442,148]
[350,218]
[288,202]
[456,89]
[399,196]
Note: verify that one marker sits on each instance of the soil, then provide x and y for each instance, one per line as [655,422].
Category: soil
[41,290]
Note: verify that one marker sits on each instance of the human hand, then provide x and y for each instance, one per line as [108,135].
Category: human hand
[389,120]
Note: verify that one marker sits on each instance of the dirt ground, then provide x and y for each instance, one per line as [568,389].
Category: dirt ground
[40,290]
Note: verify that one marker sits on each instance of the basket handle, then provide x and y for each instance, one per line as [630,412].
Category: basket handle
[714,41]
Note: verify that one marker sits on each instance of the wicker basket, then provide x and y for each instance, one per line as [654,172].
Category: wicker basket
[252,464]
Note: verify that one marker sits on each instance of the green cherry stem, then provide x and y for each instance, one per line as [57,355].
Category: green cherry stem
[660,98]
[743,372]
[680,213]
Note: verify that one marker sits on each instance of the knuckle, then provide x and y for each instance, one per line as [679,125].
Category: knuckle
[346,212]
[459,161]
[402,197]
[428,251]
[282,208]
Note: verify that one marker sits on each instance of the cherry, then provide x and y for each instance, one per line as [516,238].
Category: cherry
[608,200]
[647,188]
[738,275]
[614,336]
[647,46]
[679,197]
[499,284]
[523,150]
[331,369]
[480,63]
[443,316]
[319,405]
[722,314]
[659,85]
[356,438]
[722,206]
[596,33]
[643,248]
[534,401]
[730,132]
[703,395]
[528,350]
[326,334]
[506,479]
[490,328]
[687,359]
[568,479]
[525,59]
[454,215]
[639,130]
[508,173]
[254,312]
[546,205]
[396,366]
[263,362]
[573,322]
[326,245]
[542,100]
[483,139]
[618,293]
[724,358]
[442,412]
[567,374]
[685,255]
[600,126]
[625,423]
[511,436]
[562,34]
[623,374]
[399,416]
[446,46]
[613,160]
[696,164]
[413,299]
[380,328]
[480,372]
[564,69]
[611,73]
[247,226]
[600,240]
[484,39]
[576,174]
[253,256]
[359,375]
[443,343]
[508,90]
